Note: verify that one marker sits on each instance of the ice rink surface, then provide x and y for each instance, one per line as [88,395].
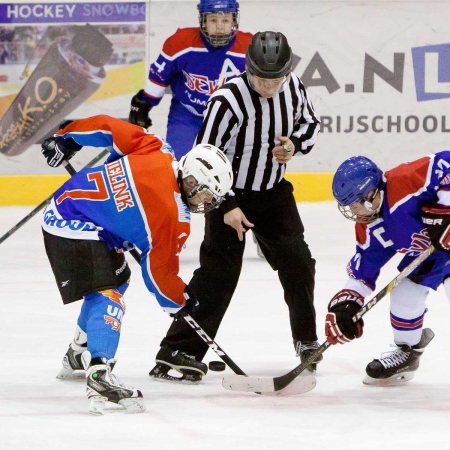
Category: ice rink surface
[40,412]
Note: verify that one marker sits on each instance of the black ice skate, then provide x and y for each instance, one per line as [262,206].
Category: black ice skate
[399,365]
[71,361]
[103,386]
[192,370]
[305,349]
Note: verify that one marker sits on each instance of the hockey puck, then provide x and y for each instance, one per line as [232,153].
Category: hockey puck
[216,366]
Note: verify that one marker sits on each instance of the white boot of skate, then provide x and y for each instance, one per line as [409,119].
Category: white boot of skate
[105,391]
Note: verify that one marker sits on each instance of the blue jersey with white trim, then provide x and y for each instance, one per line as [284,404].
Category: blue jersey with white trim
[400,228]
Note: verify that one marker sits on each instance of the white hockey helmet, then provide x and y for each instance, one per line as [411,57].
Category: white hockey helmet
[207,176]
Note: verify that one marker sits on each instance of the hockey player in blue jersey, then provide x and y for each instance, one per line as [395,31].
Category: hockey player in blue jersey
[194,62]
[403,210]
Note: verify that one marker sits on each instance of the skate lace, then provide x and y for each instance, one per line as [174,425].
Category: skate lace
[393,358]
[116,381]
[300,347]
[185,355]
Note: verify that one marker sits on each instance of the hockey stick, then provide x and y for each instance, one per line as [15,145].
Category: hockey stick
[265,384]
[46,201]
[298,386]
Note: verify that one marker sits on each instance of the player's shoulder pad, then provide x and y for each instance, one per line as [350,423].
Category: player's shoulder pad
[407,179]
[241,42]
[182,39]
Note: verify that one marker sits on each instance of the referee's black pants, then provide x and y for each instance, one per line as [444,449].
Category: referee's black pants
[279,231]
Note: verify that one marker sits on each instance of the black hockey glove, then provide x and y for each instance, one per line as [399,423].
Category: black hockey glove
[190,307]
[57,149]
[139,111]
[437,222]
[339,325]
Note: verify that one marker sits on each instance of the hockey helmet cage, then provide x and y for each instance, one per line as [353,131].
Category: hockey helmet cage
[207,175]
[206,7]
[269,55]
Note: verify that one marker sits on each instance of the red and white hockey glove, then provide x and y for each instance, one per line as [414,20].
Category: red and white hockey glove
[339,325]
[437,222]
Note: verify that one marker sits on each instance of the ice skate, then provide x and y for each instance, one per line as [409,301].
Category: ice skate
[304,350]
[192,371]
[105,390]
[71,361]
[398,366]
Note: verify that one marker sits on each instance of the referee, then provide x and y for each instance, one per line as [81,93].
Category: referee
[260,119]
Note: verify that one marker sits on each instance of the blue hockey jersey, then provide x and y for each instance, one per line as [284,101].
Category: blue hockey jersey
[194,69]
[400,228]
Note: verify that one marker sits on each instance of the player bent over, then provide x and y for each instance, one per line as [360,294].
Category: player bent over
[403,210]
[141,197]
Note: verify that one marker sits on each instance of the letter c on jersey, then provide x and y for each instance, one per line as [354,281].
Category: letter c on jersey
[377,233]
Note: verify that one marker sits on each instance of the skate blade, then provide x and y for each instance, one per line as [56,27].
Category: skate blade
[395,380]
[132,405]
[99,406]
[170,379]
[66,374]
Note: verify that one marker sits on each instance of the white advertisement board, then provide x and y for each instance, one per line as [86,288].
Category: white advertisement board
[378,73]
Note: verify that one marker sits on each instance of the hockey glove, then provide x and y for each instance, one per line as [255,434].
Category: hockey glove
[437,222]
[190,307]
[139,111]
[57,149]
[339,325]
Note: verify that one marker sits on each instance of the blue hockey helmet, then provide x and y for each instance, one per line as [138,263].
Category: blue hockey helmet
[353,182]
[206,7]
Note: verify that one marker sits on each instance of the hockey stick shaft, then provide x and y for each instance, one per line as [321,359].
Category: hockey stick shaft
[282,381]
[400,277]
[45,202]
[213,345]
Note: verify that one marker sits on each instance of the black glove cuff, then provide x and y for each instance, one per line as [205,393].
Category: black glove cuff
[345,297]
[228,204]
[68,144]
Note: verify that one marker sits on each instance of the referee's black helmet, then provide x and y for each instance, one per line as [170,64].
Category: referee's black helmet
[269,55]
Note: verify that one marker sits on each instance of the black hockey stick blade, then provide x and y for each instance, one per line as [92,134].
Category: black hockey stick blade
[46,201]
[266,384]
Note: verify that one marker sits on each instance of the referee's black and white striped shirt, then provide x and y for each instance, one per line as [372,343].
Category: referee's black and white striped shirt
[246,126]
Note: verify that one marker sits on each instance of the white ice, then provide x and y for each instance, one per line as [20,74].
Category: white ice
[40,412]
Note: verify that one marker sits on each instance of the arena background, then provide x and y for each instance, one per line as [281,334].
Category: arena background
[378,73]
